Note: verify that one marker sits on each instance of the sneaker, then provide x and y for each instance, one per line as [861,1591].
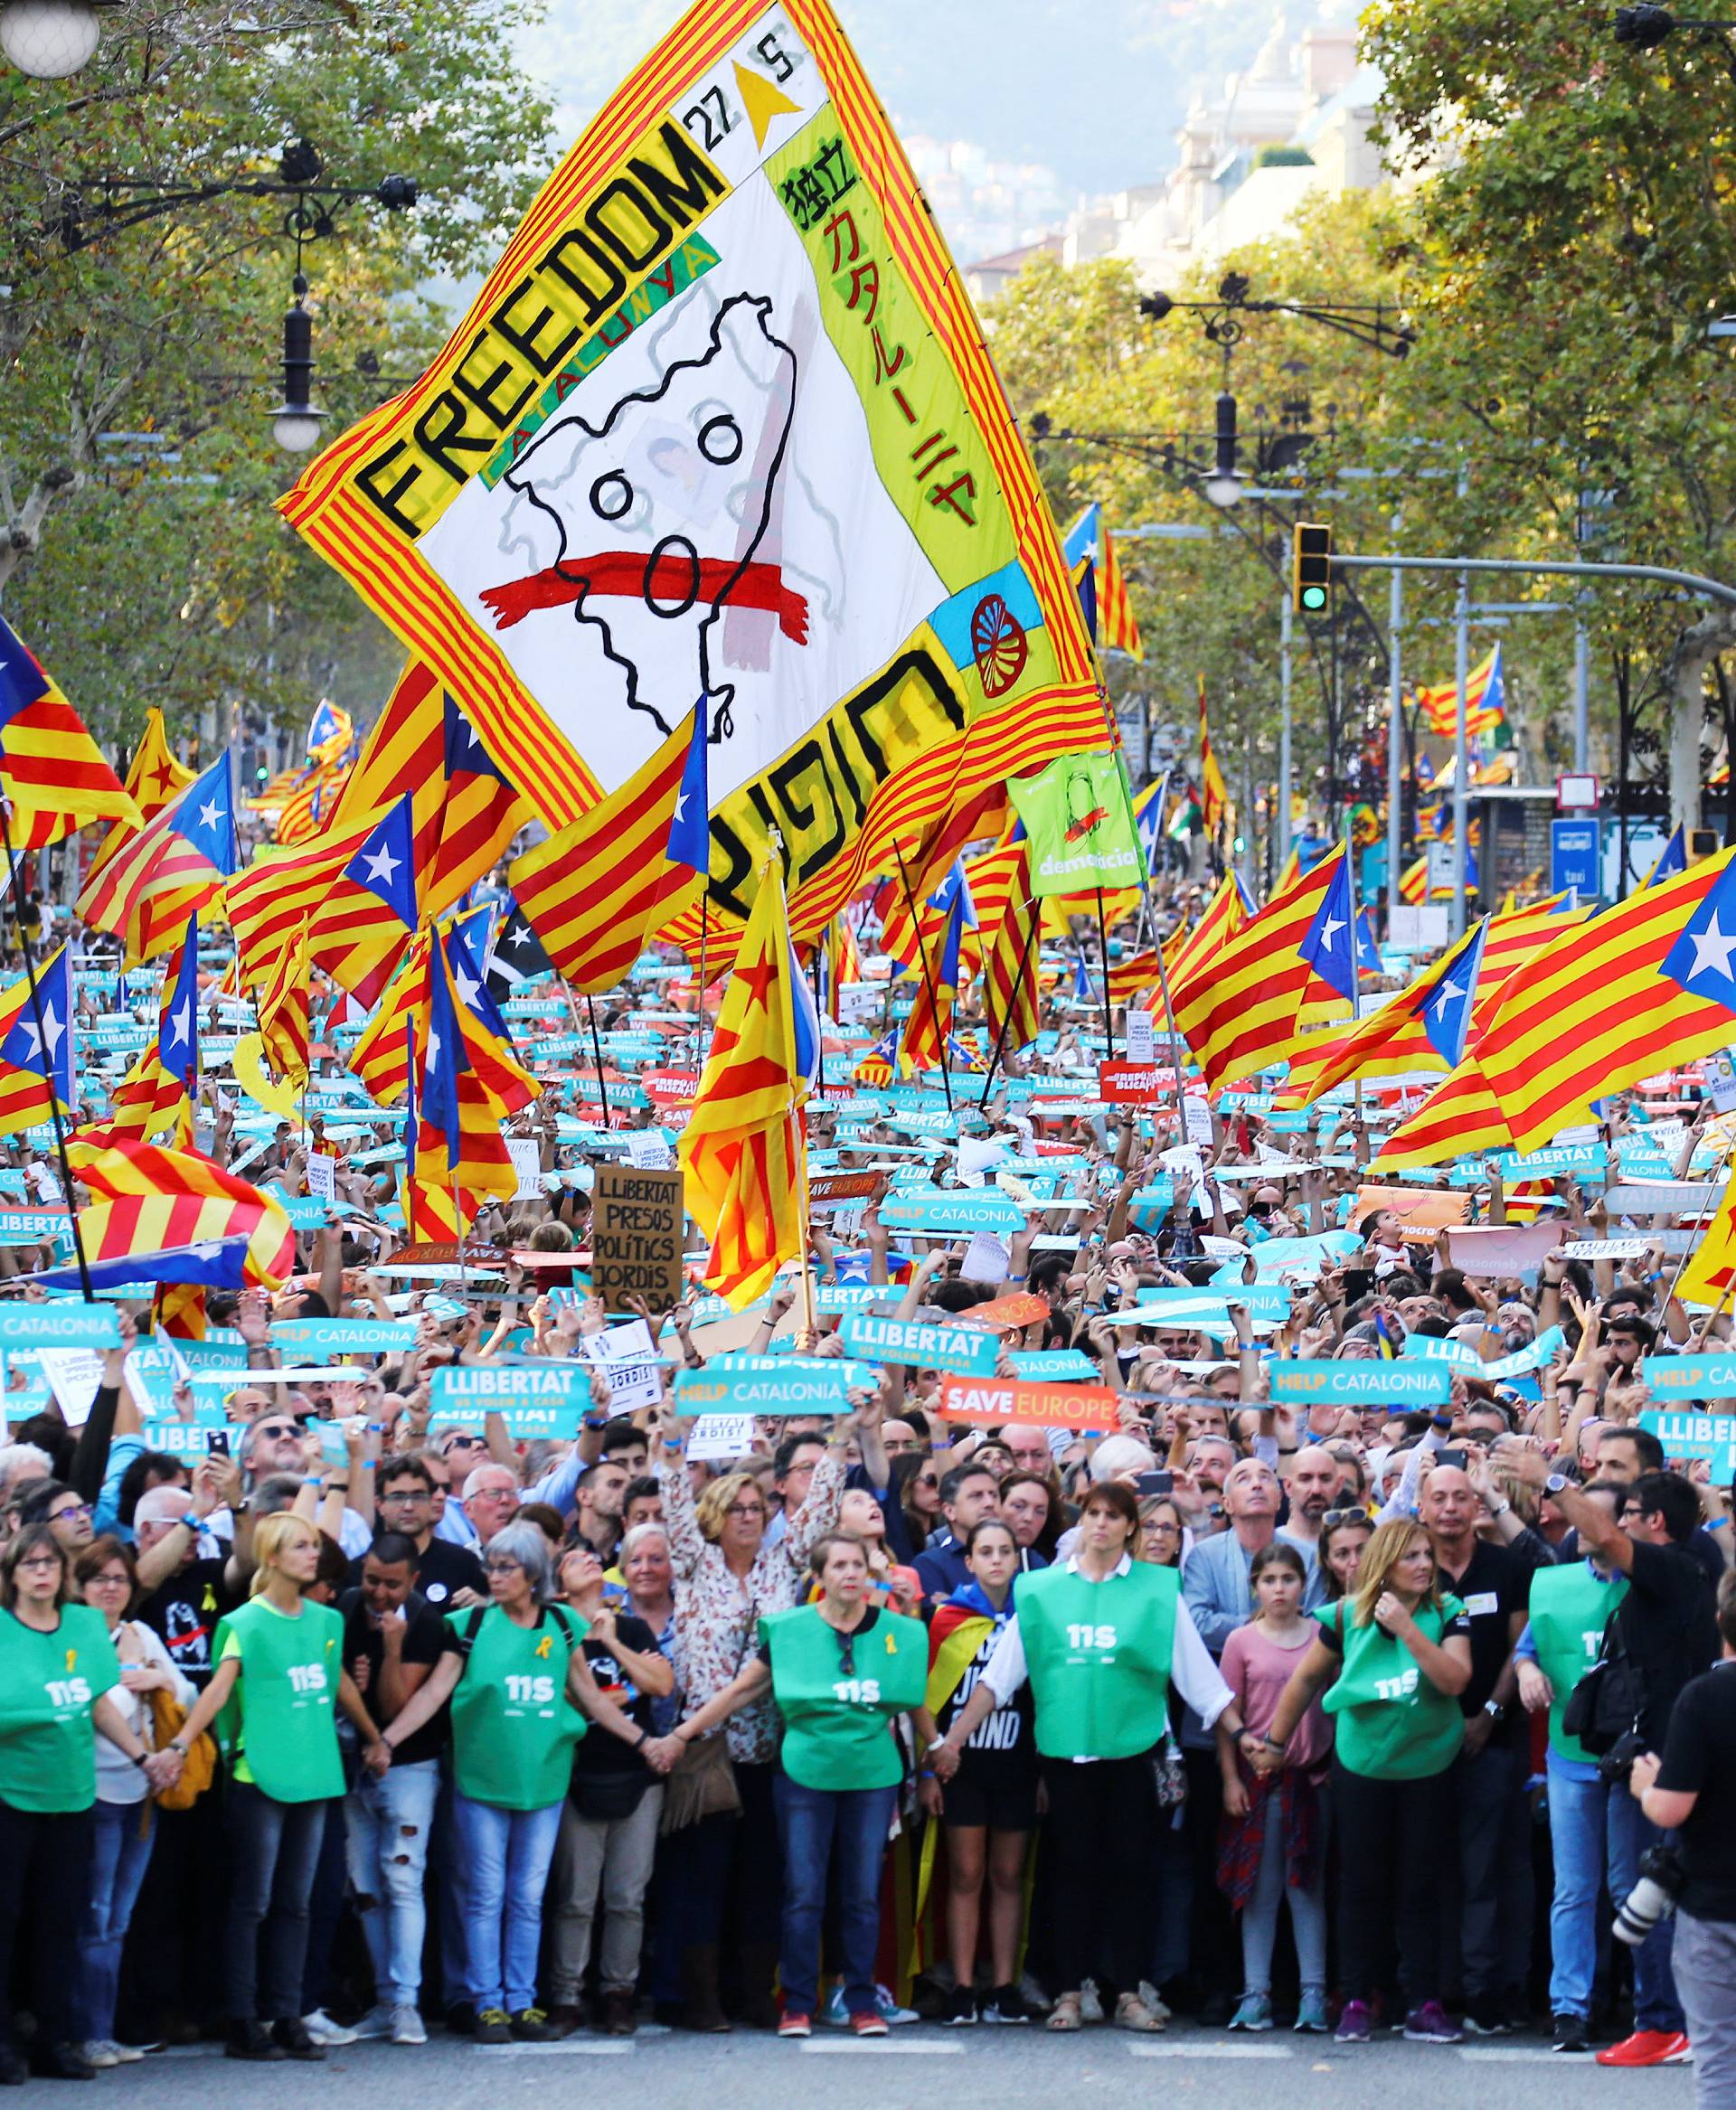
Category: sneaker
[889,2011]
[1006,2004]
[376,2024]
[125,2054]
[533,2026]
[460,2018]
[1647,2048]
[251,2040]
[1354,2026]
[1090,2007]
[1311,2013]
[1148,1993]
[95,2051]
[493,2026]
[322,2029]
[833,2011]
[296,2039]
[1569,2033]
[961,2009]
[1431,2024]
[1255,2012]
[1483,2017]
[871,2024]
[790,2024]
[1036,2000]
[407,2027]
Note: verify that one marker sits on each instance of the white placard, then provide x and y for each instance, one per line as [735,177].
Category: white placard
[649,1147]
[1418,929]
[322,1177]
[721,1435]
[526,1154]
[986,1259]
[1719,1072]
[1196,1121]
[1605,1249]
[73,1376]
[628,1358]
[1142,1037]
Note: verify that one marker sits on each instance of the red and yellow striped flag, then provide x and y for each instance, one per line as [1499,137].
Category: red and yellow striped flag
[1006,925]
[154,775]
[1214,793]
[52,773]
[1238,1006]
[743,1149]
[1460,1116]
[147,1104]
[1116,627]
[149,1199]
[284,1007]
[596,891]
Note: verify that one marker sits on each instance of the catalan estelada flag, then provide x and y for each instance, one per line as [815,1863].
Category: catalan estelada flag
[595,892]
[36,1047]
[1092,556]
[284,1006]
[1710,1273]
[175,866]
[1238,1008]
[743,1150]
[52,773]
[1484,701]
[1214,793]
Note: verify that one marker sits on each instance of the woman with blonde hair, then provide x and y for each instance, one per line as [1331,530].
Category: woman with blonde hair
[728,1578]
[279,1672]
[1400,1652]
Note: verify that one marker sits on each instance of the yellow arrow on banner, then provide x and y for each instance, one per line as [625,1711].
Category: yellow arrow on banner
[764,101]
[256,1081]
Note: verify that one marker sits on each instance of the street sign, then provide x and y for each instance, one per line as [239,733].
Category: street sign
[1576,791]
[1573,847]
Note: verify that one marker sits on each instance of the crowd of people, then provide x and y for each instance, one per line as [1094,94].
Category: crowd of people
[1336,1716]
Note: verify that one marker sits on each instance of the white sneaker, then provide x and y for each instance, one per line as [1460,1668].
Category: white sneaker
[125,2054]
[321,2028]
[407,2027]
[375,2023]
[97,2053]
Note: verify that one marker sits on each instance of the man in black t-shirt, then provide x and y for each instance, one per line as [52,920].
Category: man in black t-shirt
[1666,1628]
[393,1638]
[447,1577]
[1495,1892]
[1692,1790]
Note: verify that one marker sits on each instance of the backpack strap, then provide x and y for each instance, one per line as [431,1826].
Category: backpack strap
[467,1634]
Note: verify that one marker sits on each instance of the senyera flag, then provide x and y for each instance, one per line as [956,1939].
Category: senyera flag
[721,424]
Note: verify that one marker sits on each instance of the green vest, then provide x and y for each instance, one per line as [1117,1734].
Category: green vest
[513,1726]
[49,1683]
[1098,1657]
[835,1732]
[1392,1724]
[281,1723]
[1569,1609]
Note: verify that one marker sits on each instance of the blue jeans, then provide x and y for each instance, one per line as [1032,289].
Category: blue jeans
[1581,1841]
[507,1855]
[276,1848]
[387,1824]
[124,1833]
[811,1822]
[1631,1831]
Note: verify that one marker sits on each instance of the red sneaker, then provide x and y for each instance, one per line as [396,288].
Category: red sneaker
[869,2024]
[1649,2048]
[793,2025]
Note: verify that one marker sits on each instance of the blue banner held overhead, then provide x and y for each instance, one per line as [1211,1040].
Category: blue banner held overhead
[969,1350]
[61,1324]
[1363,1383]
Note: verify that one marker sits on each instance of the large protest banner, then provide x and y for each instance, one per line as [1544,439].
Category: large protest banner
[720,424]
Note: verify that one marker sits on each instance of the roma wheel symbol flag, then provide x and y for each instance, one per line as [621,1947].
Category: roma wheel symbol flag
[721,423]
[743,1149]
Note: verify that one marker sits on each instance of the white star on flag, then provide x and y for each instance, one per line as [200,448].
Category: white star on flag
[1712,950]
[181,1022]
[1329,930]
[1449,993]
[208,814]
[382,865]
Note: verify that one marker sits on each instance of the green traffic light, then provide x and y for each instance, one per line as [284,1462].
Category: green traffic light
[1314,596]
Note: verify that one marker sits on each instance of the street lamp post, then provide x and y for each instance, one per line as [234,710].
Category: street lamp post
[51,40]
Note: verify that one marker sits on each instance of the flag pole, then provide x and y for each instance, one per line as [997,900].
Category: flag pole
[923,954]
[41,1043]
[1006,1014]
[596,1051]
[797,1116]
[1103,953]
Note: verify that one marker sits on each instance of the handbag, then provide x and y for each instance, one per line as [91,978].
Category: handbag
[199,1768]
[700,1783]
[1169,1774]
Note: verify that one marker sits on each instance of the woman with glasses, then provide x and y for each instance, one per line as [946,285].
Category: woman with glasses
[839,1671]
[57,1674]
[990,1805]
[1397,1654]
[279,1668]
[516,1673]
[727,1579]
[1160,1531]
[125,1830]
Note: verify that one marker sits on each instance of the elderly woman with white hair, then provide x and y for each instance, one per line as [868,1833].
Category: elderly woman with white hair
[516,1673]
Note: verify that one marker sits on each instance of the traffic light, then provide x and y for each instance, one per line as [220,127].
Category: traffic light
[1311,569]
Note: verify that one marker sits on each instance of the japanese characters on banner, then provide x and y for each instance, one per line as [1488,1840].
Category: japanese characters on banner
[720,424]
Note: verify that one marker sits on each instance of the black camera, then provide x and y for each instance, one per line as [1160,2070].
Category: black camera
[1617,1762]
[1653,1898]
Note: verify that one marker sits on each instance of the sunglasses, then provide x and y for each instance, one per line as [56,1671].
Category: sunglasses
[1346,1516]
[847,1653]
[277,1428]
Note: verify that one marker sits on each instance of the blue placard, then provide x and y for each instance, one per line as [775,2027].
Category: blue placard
[59,1325]
[1364,1381]
[342,1336]
[947,1214]
[1055,1365]
[1712,1437]
[25,1225]
[544,1400]
[1574,855]
[1690,1377]
[969,1350]
[766,1384]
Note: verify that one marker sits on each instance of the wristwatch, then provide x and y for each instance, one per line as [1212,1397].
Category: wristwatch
[1501,1510]
[1556,1482]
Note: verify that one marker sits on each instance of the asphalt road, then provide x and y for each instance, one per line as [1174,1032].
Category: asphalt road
[920,2065]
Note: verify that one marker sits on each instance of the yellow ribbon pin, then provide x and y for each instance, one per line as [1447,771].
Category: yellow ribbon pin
[542,1648]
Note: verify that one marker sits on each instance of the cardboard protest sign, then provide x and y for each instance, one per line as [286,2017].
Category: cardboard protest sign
[636,1235]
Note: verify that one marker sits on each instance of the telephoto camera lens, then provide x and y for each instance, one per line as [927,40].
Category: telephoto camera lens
[1652,1899]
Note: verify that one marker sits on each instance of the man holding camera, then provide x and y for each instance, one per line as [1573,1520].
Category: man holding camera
[1692,1791]
[1664,1635]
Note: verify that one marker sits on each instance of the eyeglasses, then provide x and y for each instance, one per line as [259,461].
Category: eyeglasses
[117,1580]
[847,1653]
[503,1565]
[407,1494]
[745,1508]
[466,1443]
[925,1480]
[41,1560]
[1346,1516]
[70,1509]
